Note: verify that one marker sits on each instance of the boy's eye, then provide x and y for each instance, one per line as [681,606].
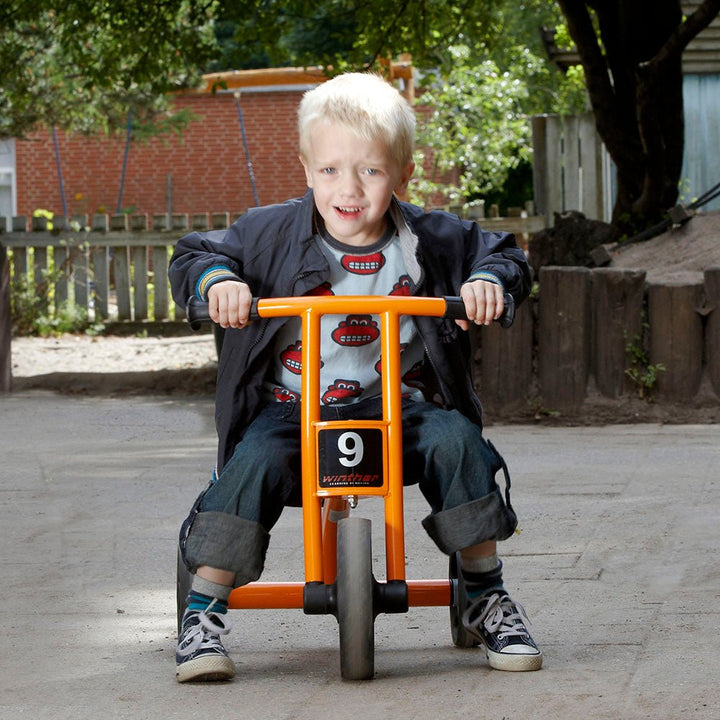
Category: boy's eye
[372,171]
[328,171]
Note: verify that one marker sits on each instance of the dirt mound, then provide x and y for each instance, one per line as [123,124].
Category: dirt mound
[680,255]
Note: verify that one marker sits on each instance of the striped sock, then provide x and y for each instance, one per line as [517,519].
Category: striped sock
[478,583]
[197,601]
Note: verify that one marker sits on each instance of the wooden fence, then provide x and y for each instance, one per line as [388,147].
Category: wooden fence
[575,333]
[115,269]
[571,168]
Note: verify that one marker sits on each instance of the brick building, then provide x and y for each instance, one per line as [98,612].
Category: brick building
[205,169]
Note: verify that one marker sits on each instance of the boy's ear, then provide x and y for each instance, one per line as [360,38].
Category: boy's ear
[406,174]
[308,176]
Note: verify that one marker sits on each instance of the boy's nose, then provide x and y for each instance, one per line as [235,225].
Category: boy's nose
[350,186]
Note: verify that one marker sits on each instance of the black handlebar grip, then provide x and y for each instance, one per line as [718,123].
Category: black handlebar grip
[197,312]
[455,310]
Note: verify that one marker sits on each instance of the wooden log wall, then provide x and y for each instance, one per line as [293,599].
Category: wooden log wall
[577,336]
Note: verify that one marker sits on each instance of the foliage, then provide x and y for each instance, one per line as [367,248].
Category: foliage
[343,35]
[641,372]
[84,66]
[473,123]
[35,312]
[476,127]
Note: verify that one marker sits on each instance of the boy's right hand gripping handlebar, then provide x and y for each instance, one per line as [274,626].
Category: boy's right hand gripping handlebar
[197,311]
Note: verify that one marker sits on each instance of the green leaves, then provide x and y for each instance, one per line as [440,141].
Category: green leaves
[475,127]
[84,65]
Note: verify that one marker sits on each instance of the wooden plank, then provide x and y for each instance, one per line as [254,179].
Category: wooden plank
[40,269]
[712,329]
[121,272]
[504,360]
[161,303]
[540,160]
[5,323]
[591,200]
[617,303]
[554,169]
[516,225]
[61,267]
[563,336]
[20,265]
[80,274]
[111,239]
[676,338]
[571,171]
[140,282]
[99,257]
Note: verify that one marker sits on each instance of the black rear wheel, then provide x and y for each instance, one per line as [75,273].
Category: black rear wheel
[458,602]
[183,584]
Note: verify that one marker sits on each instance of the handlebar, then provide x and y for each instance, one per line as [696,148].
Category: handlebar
[451,307]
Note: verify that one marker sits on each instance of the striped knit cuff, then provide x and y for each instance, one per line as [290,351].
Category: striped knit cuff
[487,276]
[212,275]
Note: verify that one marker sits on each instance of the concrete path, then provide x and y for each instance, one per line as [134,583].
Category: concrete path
[616,565]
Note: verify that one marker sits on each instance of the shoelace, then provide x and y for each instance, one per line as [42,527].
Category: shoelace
[206,633]
[500,613]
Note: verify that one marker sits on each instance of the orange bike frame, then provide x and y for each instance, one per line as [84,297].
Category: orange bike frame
[322,506]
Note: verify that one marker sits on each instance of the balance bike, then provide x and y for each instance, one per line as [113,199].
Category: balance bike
[341,462]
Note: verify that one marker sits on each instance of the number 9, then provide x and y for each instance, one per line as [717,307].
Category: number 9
[350,444]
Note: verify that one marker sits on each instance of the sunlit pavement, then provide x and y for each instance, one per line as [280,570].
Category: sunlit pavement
[616,565]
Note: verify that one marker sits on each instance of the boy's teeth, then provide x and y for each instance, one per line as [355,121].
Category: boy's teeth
[349,210]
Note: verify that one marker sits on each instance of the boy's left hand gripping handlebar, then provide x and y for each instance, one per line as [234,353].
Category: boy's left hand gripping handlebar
[197,311]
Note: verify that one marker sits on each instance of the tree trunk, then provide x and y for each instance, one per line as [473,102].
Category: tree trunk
[635,86]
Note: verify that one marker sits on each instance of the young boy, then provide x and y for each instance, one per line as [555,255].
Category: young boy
[348,235]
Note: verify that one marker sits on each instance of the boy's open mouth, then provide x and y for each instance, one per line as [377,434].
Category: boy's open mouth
[348,211]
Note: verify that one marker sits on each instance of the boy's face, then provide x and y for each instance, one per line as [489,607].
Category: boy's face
[353,181]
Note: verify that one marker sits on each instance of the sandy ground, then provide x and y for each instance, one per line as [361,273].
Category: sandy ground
[110,354]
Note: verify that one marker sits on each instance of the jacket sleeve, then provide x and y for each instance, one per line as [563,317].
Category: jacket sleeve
[201,259]
[456,250]
[495,255]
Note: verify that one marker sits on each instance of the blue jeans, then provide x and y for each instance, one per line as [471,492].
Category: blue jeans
[443,451]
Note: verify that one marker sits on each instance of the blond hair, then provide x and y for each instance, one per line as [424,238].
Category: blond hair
[365,104]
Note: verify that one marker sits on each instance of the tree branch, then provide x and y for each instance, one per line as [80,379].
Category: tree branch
[686,31]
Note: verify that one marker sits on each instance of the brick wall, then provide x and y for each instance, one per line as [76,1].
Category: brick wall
[206,164]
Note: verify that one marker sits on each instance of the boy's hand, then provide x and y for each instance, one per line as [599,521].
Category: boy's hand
[229,303]
[483,301]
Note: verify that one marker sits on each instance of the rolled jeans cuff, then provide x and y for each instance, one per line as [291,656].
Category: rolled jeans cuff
[487,518]
[227,542]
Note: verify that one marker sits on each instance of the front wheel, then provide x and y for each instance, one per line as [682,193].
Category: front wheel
[355,599]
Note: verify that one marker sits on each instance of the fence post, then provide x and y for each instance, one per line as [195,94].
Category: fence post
[5,323]
[676,338]
[123,282]
[139,258]
[505,362]
[617,304]
[712,329]
[563,335]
